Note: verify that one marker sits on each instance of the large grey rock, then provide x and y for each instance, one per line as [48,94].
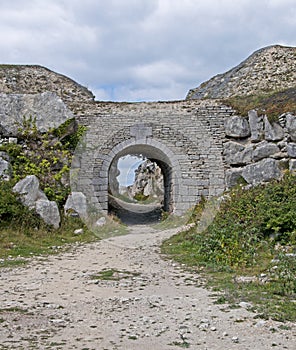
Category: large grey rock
[49,212]
[29,191]
[273,132]
[262,171]
[264,150]
[291,126]
[291,149]
[76,203]
[237,127]
[5,169]
[292,165]
[232,177]
[237,154]
[256,126]
[48,109]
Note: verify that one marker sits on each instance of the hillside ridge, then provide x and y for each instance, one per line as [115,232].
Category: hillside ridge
[269,69]
[34,79]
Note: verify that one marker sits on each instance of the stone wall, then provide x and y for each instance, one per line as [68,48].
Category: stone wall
[258,151]
[185,137]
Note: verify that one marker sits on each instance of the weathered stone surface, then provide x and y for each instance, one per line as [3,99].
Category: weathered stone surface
[5,169]
[76,203]
[237,127]
[262,171]
[237,154]
[148,181]
[291,149]
[28,189]
[292,165]
[48,211]
[101,222]
[291,126]
[273,132]
[48,109]
[233,176]
[113,182]
[264,150]
[256,126]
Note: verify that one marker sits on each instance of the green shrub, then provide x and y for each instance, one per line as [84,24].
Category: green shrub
[283,275]
[248,221]
[12,212]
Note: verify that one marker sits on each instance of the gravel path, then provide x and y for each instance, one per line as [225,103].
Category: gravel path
[56,303]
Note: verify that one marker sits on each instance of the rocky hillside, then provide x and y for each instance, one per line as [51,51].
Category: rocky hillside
[269,69]
[33,79]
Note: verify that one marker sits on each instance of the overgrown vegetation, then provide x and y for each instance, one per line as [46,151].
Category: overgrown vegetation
[254,233]
[48,156]
[272,104]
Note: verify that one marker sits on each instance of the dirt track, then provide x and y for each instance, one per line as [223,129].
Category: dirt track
[54,303]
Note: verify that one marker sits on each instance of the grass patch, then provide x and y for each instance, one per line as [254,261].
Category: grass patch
[170,221]
[13,309]
[253,235]
[17,243]
[273,104]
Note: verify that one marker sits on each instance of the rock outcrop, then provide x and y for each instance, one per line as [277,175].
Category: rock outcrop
[148,181]
[34,79]
[46,108]
[272,68]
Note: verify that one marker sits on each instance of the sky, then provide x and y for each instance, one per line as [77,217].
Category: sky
[141,50]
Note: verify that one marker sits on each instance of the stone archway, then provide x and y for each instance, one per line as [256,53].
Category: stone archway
[153,150]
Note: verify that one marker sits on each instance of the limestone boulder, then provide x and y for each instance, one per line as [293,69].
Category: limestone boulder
[291,126]
[49,212]
[29,191]
[232,177]
[262,171]
[291,149]
[76,204]
[264,150]
[31,196]
[48,109]
[292,165]
[273,131]
[256,126]
[237,127]
[5,168]
[237,154]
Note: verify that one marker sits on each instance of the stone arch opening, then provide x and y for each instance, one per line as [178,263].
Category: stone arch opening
[142,213]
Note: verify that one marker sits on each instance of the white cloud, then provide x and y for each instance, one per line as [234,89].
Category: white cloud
[141,49]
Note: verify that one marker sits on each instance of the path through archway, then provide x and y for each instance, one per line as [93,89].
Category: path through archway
[130,209]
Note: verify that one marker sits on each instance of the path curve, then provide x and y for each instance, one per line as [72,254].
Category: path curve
[54,303]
